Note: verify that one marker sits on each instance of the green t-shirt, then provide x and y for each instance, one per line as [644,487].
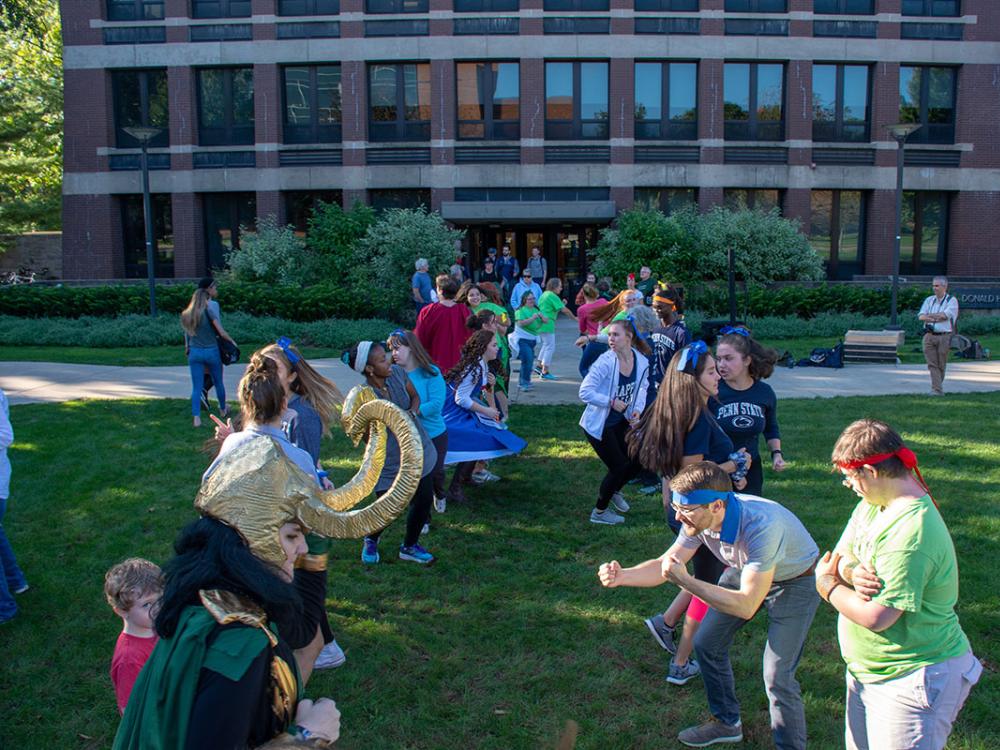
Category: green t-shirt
[523,313]
[500,312]
[550,304]
[911,550]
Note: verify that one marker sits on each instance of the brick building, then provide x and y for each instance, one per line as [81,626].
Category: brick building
[533,122]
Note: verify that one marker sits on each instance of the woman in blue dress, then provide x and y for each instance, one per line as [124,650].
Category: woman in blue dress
[476,431]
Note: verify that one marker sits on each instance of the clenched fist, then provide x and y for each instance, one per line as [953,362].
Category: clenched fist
[608,573]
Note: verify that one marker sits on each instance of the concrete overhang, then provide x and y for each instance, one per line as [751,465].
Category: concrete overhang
[515,212]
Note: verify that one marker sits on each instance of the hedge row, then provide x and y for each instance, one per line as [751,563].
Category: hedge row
[327,300]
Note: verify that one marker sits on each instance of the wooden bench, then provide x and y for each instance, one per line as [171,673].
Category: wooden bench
[872,346]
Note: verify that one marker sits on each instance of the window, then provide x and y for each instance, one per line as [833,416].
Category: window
[383,199]
[300,205]
[667,200]
[398,27]
[396,6]
[134,236]
[220,8]
[927,96]
[675,84]
[844,7]
[576,25]
[840,103]
[135,10]
[225,106]
[399,102]
[931,7]
[924,236]
[837,230]
[486,6]
[140,98]
[576,5]
[488,100]
[308,7]
[675,5]
[737,199]
[756,6]
[312,103]
[753,96]
[225,213]
[576,100]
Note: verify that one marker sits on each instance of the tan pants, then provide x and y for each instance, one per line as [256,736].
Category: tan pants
[936,350]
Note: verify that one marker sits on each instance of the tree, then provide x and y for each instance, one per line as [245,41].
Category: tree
[641,236]
[31,115]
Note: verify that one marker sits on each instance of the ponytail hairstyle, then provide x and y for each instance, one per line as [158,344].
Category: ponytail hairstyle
[478,321]
[590,292]
[658,441]
[262,397]
[321,393]
[490,291]
[191,317]
[472,354]
[399,337]
[628,326]
[603,314]
[762,358]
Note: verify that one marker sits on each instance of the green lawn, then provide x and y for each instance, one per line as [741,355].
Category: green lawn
[509,636]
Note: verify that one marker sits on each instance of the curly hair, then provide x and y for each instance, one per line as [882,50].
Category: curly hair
[472,353]
[131,580]
[762,358]
[262,397]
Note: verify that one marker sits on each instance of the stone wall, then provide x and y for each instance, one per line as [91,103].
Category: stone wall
[37,251]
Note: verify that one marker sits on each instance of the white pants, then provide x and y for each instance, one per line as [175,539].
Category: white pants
[548,348]
[912,712]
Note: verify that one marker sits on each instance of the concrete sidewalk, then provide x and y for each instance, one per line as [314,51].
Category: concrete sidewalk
[44,382]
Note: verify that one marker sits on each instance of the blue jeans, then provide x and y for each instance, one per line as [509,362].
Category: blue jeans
[198,359]
[526,353]
[790,607]
[591,352]
[11,577]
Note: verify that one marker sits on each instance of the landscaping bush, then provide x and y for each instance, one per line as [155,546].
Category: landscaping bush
[640,237]
[141,330]
[272,254]
[805,302]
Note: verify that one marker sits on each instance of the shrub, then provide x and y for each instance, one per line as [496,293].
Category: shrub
[391,246]
[640,237]
[272,254]
[806,302]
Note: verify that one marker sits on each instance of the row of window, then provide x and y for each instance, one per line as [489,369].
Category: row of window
[576,102]
[836,228]
[134,10]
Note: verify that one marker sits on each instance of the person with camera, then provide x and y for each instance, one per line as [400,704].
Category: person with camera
[938,314]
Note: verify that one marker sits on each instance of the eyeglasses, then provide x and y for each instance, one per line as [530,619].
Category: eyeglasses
[685,510]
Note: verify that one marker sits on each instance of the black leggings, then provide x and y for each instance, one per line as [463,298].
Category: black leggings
[755,478]
[613,451]
[441,446]
[419,507]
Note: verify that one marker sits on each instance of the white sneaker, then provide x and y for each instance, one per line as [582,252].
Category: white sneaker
[618,500]
[607,517]
[440,504]
[331,656]
[426,529]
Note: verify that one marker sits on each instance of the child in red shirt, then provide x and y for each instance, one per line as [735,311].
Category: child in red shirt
[133,589]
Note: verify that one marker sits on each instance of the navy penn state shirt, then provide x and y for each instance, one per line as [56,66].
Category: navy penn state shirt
[745,415]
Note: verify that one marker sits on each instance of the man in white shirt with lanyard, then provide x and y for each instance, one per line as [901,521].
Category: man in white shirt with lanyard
[938,314]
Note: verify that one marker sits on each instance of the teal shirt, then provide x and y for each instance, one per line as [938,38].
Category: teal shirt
[431,390]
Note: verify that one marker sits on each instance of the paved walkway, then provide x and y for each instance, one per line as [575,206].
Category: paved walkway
[43,382]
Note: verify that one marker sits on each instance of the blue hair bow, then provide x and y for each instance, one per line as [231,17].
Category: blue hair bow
[635,329]
[738,330]
[690,355]
[285,344]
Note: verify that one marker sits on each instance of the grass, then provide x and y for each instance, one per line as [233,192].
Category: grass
[509,636]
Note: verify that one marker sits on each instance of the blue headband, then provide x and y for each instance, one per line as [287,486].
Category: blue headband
[635,329]
[698,497]
[398,333]
[737,330]
[285,343]
[690,355]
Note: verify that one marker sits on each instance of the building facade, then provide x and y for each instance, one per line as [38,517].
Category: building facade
[533,122]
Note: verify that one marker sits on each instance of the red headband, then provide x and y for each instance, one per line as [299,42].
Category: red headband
[904,454]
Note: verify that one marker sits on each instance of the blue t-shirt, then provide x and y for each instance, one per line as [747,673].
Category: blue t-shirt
[625,392]
[708,439]
[421,281]
[305,429]
[432,390]
[745,415]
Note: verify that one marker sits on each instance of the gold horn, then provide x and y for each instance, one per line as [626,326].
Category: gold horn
[356,425]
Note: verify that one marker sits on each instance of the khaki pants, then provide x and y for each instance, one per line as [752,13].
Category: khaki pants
[936,349]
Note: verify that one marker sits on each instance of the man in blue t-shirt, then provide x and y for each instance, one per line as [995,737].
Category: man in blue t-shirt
[421,284]
[508,268]
[771,561]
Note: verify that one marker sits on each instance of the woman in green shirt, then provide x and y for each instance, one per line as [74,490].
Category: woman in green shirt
[550,305]
[527,320]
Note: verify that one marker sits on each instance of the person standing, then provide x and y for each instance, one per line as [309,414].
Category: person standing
[669,337]
[538,266]
[646,284]
[441,325]
[770,559]
[526,284]
[489,272]
[746,406]
[202,323]
[581,298]
[509,270]
[939,313]
[528,319]
[12,580]
[893,579]
[550,305]
[421,285]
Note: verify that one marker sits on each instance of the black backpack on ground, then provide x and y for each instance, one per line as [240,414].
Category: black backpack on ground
[821,357]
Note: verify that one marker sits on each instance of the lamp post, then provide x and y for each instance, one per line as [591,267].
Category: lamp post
[144,134]
[900,132]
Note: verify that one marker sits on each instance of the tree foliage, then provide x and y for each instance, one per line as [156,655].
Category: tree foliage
[272,253]
[31,116]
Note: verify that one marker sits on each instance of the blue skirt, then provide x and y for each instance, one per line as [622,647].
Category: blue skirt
[473,439]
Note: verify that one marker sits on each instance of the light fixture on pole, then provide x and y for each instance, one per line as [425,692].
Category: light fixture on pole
[144,134]
[900,132]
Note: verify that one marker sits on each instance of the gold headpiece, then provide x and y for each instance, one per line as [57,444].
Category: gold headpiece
[256,488]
